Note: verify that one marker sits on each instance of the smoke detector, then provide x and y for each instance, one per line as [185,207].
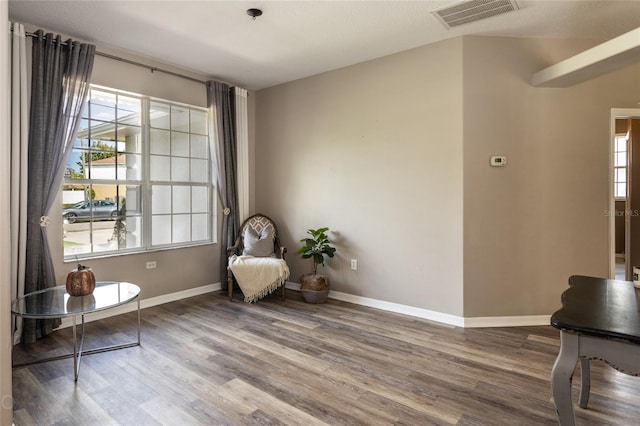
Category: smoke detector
[473,10]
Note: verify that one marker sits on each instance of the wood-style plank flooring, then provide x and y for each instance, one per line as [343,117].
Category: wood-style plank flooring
[208,361]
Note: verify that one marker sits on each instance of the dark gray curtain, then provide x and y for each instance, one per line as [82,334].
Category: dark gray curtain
[222,106]
[59,85]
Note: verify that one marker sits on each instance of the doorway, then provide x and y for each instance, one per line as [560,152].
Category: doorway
[624,207]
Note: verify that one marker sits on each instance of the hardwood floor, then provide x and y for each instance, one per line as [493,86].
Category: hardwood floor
[208,361]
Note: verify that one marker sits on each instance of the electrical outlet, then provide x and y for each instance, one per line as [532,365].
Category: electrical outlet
[354,264]
[498,161]
[151,265]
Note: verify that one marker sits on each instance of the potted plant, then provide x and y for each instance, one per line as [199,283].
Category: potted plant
[315,287]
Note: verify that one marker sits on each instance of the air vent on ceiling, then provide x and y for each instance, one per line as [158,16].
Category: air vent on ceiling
[472,11]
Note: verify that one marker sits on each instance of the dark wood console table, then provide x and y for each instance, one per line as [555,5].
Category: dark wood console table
[599,319]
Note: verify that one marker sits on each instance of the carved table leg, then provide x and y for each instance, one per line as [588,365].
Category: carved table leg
[561,377]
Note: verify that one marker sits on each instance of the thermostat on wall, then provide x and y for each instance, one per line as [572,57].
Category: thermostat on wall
[498,161]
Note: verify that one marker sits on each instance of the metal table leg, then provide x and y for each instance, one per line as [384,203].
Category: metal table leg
[78,350]
[75,351]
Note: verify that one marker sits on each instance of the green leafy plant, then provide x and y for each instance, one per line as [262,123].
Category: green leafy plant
[316,246]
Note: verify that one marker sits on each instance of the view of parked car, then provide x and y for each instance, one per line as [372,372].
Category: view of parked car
[91,210]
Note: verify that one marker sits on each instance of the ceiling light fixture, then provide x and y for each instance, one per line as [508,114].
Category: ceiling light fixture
[254,13]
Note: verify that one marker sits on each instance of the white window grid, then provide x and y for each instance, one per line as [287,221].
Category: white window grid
[142,185]
[621,144]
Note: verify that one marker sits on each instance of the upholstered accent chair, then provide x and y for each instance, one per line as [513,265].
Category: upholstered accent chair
[256,260]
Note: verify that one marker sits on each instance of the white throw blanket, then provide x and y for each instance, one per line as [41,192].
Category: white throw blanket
[258,276]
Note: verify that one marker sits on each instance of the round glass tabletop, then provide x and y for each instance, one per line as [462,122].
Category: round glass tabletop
[55,302]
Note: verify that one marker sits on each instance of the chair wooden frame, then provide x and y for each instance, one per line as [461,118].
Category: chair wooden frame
[258,222]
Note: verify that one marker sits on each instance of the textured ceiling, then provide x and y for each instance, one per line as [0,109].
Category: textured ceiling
[296,39]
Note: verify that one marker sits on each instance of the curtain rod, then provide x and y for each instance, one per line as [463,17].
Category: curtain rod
[139,64]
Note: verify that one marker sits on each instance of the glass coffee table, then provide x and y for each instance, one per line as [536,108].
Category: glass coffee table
[55,302]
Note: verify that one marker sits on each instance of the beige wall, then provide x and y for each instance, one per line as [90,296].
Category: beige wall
[542,218]
[373,151]
[113,73]
[393,155]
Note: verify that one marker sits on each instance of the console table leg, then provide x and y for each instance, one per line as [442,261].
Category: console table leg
[585,378]
[561,377]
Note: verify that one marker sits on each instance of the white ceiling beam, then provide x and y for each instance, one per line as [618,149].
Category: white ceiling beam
[609,56]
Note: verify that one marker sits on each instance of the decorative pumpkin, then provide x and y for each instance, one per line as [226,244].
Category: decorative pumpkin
[81,281]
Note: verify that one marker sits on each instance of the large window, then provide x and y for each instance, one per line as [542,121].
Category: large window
[139,176]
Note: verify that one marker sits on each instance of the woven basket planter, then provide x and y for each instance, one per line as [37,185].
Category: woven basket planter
[314,288]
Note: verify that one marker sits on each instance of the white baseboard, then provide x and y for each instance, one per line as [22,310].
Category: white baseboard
[453,320]
[399,309]
[146,303]
[507,321]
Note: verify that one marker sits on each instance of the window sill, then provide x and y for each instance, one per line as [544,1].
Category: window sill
[76,258]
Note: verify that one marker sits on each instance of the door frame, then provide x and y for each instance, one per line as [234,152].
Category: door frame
[617,113]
